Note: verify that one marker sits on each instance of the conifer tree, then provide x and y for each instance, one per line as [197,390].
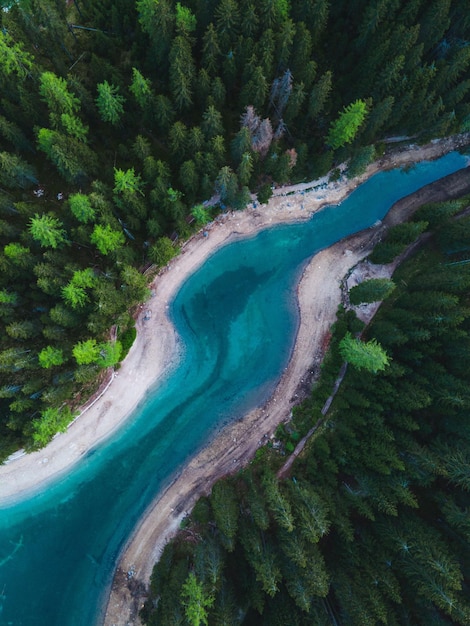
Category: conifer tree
[110,103]
[345,127]
[47,230]
[369,356]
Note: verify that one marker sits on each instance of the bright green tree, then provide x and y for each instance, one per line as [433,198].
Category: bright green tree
[7,297]
[18,254]
[74,295]
[50,357]
[52,421]
[185,19]
[345,127]
[74,127]
[56,95]
[48,230]
[81,208]
[162,251]
[200,214]
[110,103]
[127,180]
[106,239]
[363,355]
[196,601]
[13,59]
[86,352]
[109,353]
[140,88]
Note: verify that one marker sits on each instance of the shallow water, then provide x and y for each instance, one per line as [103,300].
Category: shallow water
[237,319]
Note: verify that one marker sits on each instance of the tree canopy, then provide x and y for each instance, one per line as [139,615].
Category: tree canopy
[118,120]
[370,523]
[363,355]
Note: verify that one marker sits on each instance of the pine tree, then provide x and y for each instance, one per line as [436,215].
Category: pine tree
[52,421]
[345,127]
[14,60]
[211,50]
[141,89]
[182,73]
[106,239]
[50,357]
[196,601]
[369,356]
[81,208]
[47,230]
[227,19]
[225,510]
[110,103]
[55,93]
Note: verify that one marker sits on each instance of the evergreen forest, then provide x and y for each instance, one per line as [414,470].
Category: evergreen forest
[118,119]
[370,524]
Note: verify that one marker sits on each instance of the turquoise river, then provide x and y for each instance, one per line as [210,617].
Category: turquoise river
[237,319]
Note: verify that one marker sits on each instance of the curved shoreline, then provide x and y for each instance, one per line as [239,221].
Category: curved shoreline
[157,344]
[238,442]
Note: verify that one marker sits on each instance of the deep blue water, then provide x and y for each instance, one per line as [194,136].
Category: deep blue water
[237,320]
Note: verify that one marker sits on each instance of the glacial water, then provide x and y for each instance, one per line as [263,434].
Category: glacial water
[237,319]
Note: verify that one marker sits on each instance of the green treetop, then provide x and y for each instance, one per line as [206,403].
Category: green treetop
[127,180]
[106,239]
[371,290]
[56,95]
[345,127]
[13,60]
[363,355]
[50,356]
[86,352]
[81,208]
[140,88]
[52,421]
[196,602]
[185,19]
[48,230]
[110,104]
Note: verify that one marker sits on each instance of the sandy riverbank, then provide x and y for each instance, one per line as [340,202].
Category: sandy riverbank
[155,349]
[319,295]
